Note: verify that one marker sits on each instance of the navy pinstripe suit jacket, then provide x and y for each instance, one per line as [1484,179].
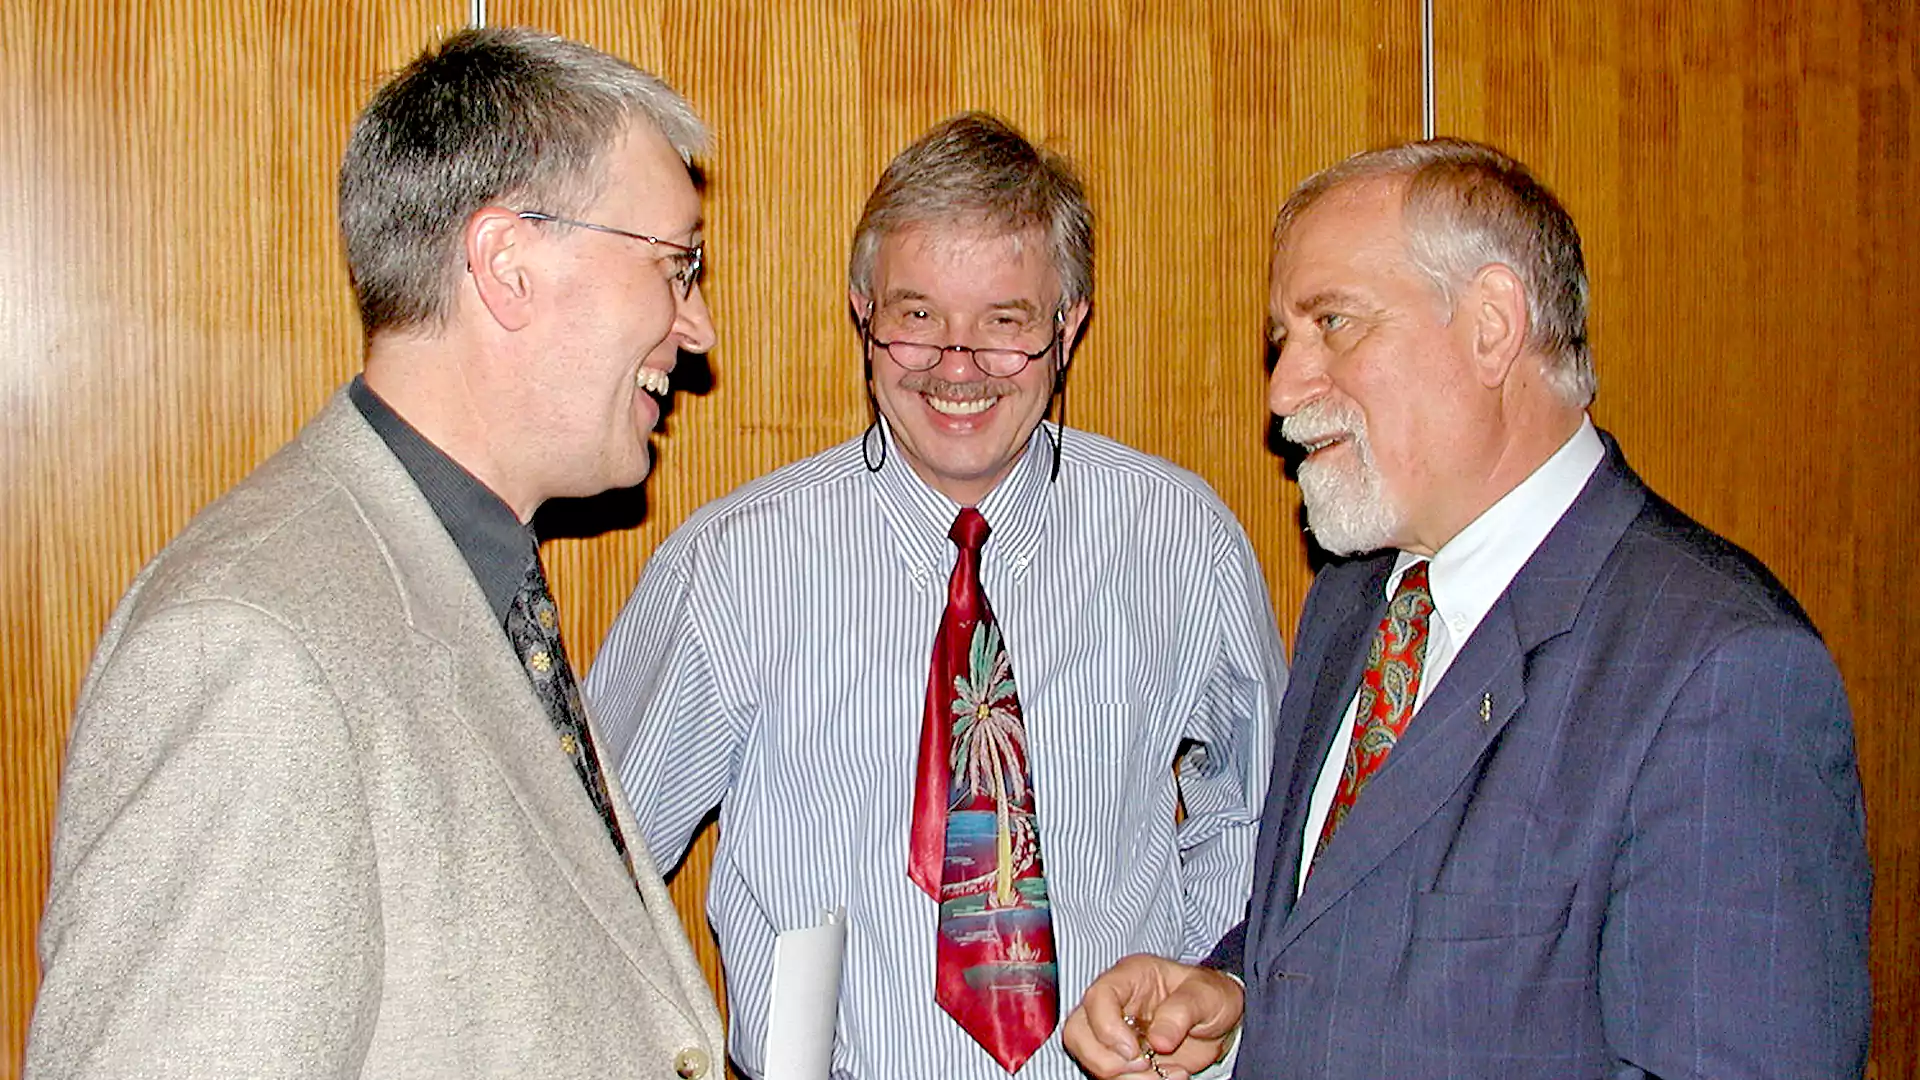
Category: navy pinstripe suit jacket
[1622,838]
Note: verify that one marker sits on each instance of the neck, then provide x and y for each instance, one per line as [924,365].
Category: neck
[440,386]
[1527,438]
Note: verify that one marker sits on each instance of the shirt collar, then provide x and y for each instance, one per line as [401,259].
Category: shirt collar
[1016,509]
[1471,570]
[497,547]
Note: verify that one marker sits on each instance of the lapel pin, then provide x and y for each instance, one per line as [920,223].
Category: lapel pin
[1486,707]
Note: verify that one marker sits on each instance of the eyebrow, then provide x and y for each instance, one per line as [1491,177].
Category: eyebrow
[1027,307]
[1326,298]
[894,296]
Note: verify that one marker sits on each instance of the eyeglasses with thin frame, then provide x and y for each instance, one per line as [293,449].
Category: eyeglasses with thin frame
[687,261]
[998,363]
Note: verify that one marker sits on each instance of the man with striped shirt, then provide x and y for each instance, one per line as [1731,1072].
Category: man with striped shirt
[773,661]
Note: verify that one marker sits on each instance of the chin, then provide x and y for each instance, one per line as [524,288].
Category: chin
[634,473]
[1346,524]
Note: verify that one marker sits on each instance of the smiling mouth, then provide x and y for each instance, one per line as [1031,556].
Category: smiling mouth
[969,407]
[653,381]
[1314,446]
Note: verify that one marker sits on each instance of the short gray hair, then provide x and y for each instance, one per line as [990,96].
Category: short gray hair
[977,167]
[1467,206]
[503,114]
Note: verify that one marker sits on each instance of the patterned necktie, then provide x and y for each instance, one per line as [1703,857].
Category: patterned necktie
[1388,691]
[534,629]
[975,848]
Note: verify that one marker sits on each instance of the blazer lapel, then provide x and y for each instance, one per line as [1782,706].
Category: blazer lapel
[467,668]
[493,699]
[1482,690]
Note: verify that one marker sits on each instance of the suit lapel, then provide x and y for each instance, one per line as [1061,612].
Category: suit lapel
[1438,752]
[1340,650]
[468,668]
[1465,713]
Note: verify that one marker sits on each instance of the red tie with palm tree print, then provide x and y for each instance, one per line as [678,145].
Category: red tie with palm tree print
[1388,691]
[975,848]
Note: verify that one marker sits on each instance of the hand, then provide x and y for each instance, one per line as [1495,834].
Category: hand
[1187,1013]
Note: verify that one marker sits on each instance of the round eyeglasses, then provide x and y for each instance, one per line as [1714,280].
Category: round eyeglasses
[998,362]
[686,261]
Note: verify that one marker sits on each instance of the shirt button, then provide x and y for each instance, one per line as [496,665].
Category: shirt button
[690,1064]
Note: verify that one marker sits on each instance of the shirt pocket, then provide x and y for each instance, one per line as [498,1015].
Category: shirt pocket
[1115,734]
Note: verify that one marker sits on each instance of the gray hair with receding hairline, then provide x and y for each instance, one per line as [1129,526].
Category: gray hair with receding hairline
[1468,206]
[492,115]
[977,167]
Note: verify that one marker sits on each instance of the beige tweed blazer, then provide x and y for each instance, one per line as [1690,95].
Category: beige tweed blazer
[315,824]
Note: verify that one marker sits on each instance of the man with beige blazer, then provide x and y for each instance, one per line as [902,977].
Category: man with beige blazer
[331,806]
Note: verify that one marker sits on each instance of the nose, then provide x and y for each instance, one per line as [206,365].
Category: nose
[1298,378]
[957,364]
[693,322]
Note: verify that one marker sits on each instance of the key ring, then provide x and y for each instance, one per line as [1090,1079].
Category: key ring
[1146,1048]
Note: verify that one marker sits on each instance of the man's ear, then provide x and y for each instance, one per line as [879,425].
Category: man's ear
[1070,324]
[861,305]
[1497,306]
[496,241]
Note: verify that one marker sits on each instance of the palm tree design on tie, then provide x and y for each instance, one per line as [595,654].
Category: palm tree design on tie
[989,751]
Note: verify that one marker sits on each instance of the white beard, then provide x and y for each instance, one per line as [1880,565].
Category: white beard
[1348,509]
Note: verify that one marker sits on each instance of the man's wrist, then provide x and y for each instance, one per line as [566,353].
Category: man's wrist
[1222,1066]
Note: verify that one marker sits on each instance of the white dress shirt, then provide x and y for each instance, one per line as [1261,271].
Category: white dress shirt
[1467,575]
[773,662]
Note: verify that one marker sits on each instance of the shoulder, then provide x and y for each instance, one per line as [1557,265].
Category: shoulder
[1644,554]
[818,486]
[304,542]
[283,525]
[1699,565]
[1671,587]
[1104,471]
[1657,609]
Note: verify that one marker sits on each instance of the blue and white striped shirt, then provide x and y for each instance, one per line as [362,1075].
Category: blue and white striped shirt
[773,661]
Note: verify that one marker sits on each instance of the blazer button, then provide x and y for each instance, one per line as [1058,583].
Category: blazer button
[690,1064]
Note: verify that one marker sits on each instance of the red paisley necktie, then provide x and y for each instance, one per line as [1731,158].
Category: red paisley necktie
[975,848]
[1388,691]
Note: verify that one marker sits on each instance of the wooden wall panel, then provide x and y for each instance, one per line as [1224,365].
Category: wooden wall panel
[172,302]
[1743,176]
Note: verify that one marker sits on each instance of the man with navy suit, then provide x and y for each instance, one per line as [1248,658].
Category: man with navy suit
[1595,808]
